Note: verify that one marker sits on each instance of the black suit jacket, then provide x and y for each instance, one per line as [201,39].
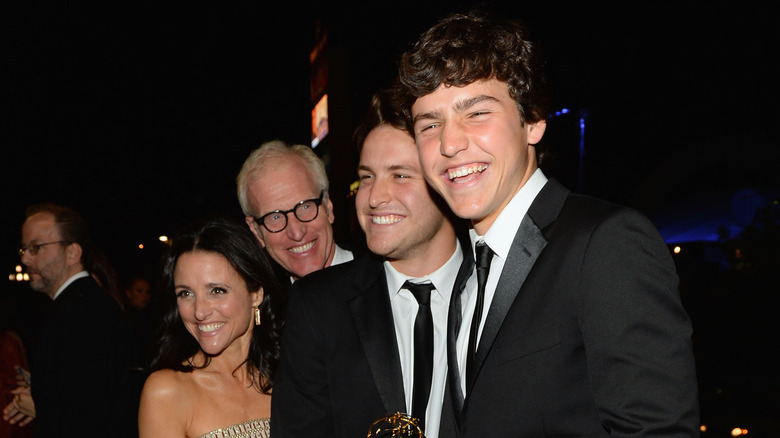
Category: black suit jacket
[283,277]
[586,335]
[84,383]
[340,368]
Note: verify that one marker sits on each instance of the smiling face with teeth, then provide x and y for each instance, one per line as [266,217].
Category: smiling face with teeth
[214,303]
[474,147]
[394,205]
[302,247]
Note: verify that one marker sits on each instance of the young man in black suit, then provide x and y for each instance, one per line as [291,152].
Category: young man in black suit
[582,331]
[348,354]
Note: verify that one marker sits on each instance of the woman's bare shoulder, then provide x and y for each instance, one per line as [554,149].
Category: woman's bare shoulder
[168,385]
[166,404]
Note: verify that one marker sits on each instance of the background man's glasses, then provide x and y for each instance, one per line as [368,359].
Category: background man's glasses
[35,247]
[304,211]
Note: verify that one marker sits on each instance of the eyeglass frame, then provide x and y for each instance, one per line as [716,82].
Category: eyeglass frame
[35,247]
[317,202]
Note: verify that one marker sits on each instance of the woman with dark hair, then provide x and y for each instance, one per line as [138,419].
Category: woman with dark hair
[212,369]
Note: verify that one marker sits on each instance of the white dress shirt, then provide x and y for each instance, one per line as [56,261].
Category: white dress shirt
[499,238]
[404,307]
[341,255]
[67,283]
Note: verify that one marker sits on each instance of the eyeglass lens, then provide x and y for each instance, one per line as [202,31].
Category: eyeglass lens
[306,211]
[35,247]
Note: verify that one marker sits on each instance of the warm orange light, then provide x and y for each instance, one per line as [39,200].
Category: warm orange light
[319,121]
[163,238]
[703,428]
[140,246]
[18,268]
[738,431]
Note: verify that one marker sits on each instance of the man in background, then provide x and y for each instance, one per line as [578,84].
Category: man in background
[283,192]
[84,376]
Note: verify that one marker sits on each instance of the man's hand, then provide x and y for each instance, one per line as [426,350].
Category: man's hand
[21,410]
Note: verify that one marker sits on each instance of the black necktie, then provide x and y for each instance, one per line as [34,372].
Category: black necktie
[484,255]
[423,349]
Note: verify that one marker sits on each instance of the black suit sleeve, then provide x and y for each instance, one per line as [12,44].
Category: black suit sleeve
[300,402]
[86,365]
[637,334]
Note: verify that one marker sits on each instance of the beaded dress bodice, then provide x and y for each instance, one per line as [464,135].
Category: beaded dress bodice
[260,428]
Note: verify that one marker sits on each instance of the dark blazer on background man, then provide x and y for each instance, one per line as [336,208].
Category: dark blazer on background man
[84,380]
[283,276]
[586,311]
[344,370]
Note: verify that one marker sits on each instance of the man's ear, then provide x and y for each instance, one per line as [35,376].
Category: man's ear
[329,210]
[253,226]
[536,131]
[73,253]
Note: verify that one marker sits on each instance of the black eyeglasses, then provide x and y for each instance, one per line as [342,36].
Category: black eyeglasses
[35,247]
[304,211]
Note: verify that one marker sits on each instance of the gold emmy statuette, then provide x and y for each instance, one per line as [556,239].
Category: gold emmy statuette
[396,425]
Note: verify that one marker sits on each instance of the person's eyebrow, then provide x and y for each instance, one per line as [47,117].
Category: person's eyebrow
[431,115]
[458,107]
[463,105]
[391,168]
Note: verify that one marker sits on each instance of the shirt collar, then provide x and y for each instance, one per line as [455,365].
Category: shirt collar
[341,255]
[443,279]
[501,234]
[67,283]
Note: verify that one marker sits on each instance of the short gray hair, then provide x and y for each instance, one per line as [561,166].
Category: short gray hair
[274,150]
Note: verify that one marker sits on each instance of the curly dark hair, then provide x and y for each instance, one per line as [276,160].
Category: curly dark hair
[464,48]
[235,242]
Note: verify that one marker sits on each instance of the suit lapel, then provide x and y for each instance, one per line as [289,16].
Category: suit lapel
[526,247]
[454,320]
[373,319]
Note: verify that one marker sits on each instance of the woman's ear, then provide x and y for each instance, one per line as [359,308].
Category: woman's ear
[258,297]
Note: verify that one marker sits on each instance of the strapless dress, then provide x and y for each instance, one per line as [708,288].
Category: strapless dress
[260,428]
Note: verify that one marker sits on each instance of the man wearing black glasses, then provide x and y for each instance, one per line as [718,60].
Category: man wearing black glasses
[84,374]
[283,192]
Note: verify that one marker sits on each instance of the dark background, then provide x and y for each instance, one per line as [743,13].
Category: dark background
[140,116]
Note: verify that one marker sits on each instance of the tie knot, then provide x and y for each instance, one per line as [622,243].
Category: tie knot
[421,291]
[484,255]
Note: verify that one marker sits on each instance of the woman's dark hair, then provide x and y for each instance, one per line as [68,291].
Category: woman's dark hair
[234,241]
